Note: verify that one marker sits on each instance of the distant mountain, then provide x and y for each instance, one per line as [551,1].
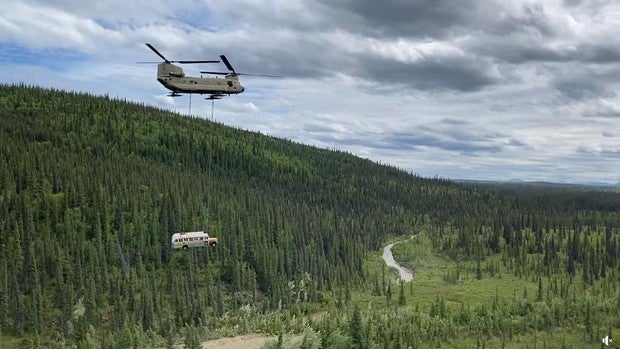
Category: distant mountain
[519,183]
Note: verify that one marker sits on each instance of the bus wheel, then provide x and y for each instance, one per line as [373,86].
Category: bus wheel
[213,243]
[185,247]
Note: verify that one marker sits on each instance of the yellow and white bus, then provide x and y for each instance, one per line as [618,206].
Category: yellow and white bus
[192,239]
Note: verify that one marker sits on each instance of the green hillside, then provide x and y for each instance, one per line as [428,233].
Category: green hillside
[91,190]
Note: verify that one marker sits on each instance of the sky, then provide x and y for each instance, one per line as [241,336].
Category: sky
[479,89]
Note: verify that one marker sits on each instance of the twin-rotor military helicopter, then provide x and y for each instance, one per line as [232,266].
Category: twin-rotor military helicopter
[174,79]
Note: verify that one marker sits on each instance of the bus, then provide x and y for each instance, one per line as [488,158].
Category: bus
[192,239]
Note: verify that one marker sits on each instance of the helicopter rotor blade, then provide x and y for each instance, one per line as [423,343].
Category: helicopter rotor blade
[157,52]
[168,61]
[246,74]
[229,66]
[227,63]
[193,62]
[262,75]
[214,72]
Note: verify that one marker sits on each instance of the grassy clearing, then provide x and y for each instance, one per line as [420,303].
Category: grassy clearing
[456,282]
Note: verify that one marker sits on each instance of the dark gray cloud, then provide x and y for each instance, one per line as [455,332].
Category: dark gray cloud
[517,143]
[319,128]
[400,141]
[518,50]
[465,74]
[611,153]
[573,2]
[407,140]
[601,153]
[608,134]
[447,135]
[583,81]
[603,53]
[575,87]
[521,49]
[439,19]
[534,17]
[487,37]
[394,18]
[454,121]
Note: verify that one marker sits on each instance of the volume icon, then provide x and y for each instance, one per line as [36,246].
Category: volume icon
[606,340]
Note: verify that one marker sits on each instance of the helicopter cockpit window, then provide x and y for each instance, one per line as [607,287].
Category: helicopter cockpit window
[230,83]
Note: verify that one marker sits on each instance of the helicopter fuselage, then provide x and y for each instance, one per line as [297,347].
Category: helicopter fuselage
[174,79]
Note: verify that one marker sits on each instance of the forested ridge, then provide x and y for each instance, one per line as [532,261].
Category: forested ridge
[92,188]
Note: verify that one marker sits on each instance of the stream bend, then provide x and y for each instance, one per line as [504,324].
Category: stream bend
[405,274]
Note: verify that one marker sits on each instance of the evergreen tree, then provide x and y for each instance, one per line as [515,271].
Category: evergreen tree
[355,329]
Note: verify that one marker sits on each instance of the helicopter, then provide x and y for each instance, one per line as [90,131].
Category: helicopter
[174,79]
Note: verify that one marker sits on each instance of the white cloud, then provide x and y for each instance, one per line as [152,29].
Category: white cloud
[45,26]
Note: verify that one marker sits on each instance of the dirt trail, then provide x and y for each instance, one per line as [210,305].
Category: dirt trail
[254,341]
[248,341]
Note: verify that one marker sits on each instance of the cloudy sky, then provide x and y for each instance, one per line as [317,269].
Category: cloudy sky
[486,89]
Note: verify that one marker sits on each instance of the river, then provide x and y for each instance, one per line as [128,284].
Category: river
[405,274]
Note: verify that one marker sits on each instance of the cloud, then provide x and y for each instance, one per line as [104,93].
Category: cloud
[113,13]
[603,108]
[415,140]
[46,26]
[403,18]
[429,74]
[442,136]
[576,87]
[454,122]
[516,143]
[599,153]
[164,100]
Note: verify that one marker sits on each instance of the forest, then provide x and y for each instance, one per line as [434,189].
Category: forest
[92,188]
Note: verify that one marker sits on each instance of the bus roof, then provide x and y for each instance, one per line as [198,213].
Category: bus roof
[189,233]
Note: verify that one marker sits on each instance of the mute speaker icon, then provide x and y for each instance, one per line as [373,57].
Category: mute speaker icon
[606,340]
